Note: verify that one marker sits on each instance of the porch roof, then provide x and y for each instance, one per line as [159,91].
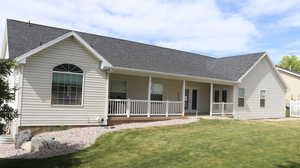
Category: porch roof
[24,37]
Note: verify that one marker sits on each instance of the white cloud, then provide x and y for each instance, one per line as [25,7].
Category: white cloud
[188,25]
[269,7]
[290,21]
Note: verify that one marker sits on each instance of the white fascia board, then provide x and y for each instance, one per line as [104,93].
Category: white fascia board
[22,59]
[178,76]
[4,49]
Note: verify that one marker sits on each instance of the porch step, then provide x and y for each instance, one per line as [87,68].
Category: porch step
[6,139]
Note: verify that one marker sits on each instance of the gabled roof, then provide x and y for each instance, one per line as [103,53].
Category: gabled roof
[24,37]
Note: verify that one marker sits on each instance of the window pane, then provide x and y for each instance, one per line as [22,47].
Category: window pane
[67,68]
[217,96]
[224,95]
[241,92]
[262,94]
[186,99]
[157,88]
[156,97]
[118,86]
[117,95]
[262,102]
[241,102]
[194,99]
[66,89]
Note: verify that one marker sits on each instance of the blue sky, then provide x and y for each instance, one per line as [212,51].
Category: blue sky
[210,27]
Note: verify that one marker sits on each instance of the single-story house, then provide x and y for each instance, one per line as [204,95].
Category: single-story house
[67,77]
[292,80]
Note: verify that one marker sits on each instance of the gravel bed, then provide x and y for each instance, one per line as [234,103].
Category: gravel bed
[75,139]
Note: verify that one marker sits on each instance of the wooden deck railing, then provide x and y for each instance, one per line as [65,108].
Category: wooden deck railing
[128,107]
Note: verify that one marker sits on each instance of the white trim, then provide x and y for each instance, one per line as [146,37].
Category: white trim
[106,97]
[265,55]
[149,96]
[21,83]
[174,75]
[105,63]
[4,49]
[183,97]
[211,99]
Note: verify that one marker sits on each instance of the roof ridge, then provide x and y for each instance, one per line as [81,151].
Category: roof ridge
[115,38]
[255,53]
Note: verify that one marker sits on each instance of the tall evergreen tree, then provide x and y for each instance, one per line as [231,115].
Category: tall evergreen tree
[7,113]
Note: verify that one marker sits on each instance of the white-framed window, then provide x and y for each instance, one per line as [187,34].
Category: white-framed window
[118,89]
[67,83]
[157,91]
[262,98]
[241,97]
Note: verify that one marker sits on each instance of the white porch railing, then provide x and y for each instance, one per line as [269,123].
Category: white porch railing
[295,108]
[128,107]
[222,108]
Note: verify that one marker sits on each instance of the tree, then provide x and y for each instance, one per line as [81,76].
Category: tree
[290,62]
[7,94]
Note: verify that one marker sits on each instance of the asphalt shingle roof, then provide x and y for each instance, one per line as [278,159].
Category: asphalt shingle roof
[23,37]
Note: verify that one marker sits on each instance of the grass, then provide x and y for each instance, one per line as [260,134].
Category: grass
[208,143]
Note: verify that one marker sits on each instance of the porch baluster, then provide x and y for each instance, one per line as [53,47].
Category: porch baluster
[167,108]
[128,108]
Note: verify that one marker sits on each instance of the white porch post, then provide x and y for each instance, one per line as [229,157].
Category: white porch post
[107,96]
[211,98]
[183,97]
[128,108]
[149,96]
[234,100]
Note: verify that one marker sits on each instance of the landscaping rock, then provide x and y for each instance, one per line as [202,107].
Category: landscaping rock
[21,137]
[26,147]
[42,143]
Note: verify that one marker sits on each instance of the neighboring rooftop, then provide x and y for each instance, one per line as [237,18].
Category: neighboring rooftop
[297,73]
[23,37]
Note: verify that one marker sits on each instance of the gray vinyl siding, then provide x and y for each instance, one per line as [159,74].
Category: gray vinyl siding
[262,77]
[37,80]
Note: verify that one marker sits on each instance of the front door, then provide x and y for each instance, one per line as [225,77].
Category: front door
[191,100]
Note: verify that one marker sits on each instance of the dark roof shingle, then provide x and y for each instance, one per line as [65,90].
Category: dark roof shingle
[23,37]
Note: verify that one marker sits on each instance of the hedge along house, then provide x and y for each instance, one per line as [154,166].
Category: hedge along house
[67,77]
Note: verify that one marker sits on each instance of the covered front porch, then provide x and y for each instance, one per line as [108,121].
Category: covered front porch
[152,96]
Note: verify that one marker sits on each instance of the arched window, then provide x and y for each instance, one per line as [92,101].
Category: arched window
[67,85]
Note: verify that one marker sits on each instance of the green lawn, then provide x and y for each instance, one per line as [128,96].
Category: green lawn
[207,143]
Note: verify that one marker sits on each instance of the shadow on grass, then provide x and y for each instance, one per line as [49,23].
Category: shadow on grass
[37,159]
[290,165]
